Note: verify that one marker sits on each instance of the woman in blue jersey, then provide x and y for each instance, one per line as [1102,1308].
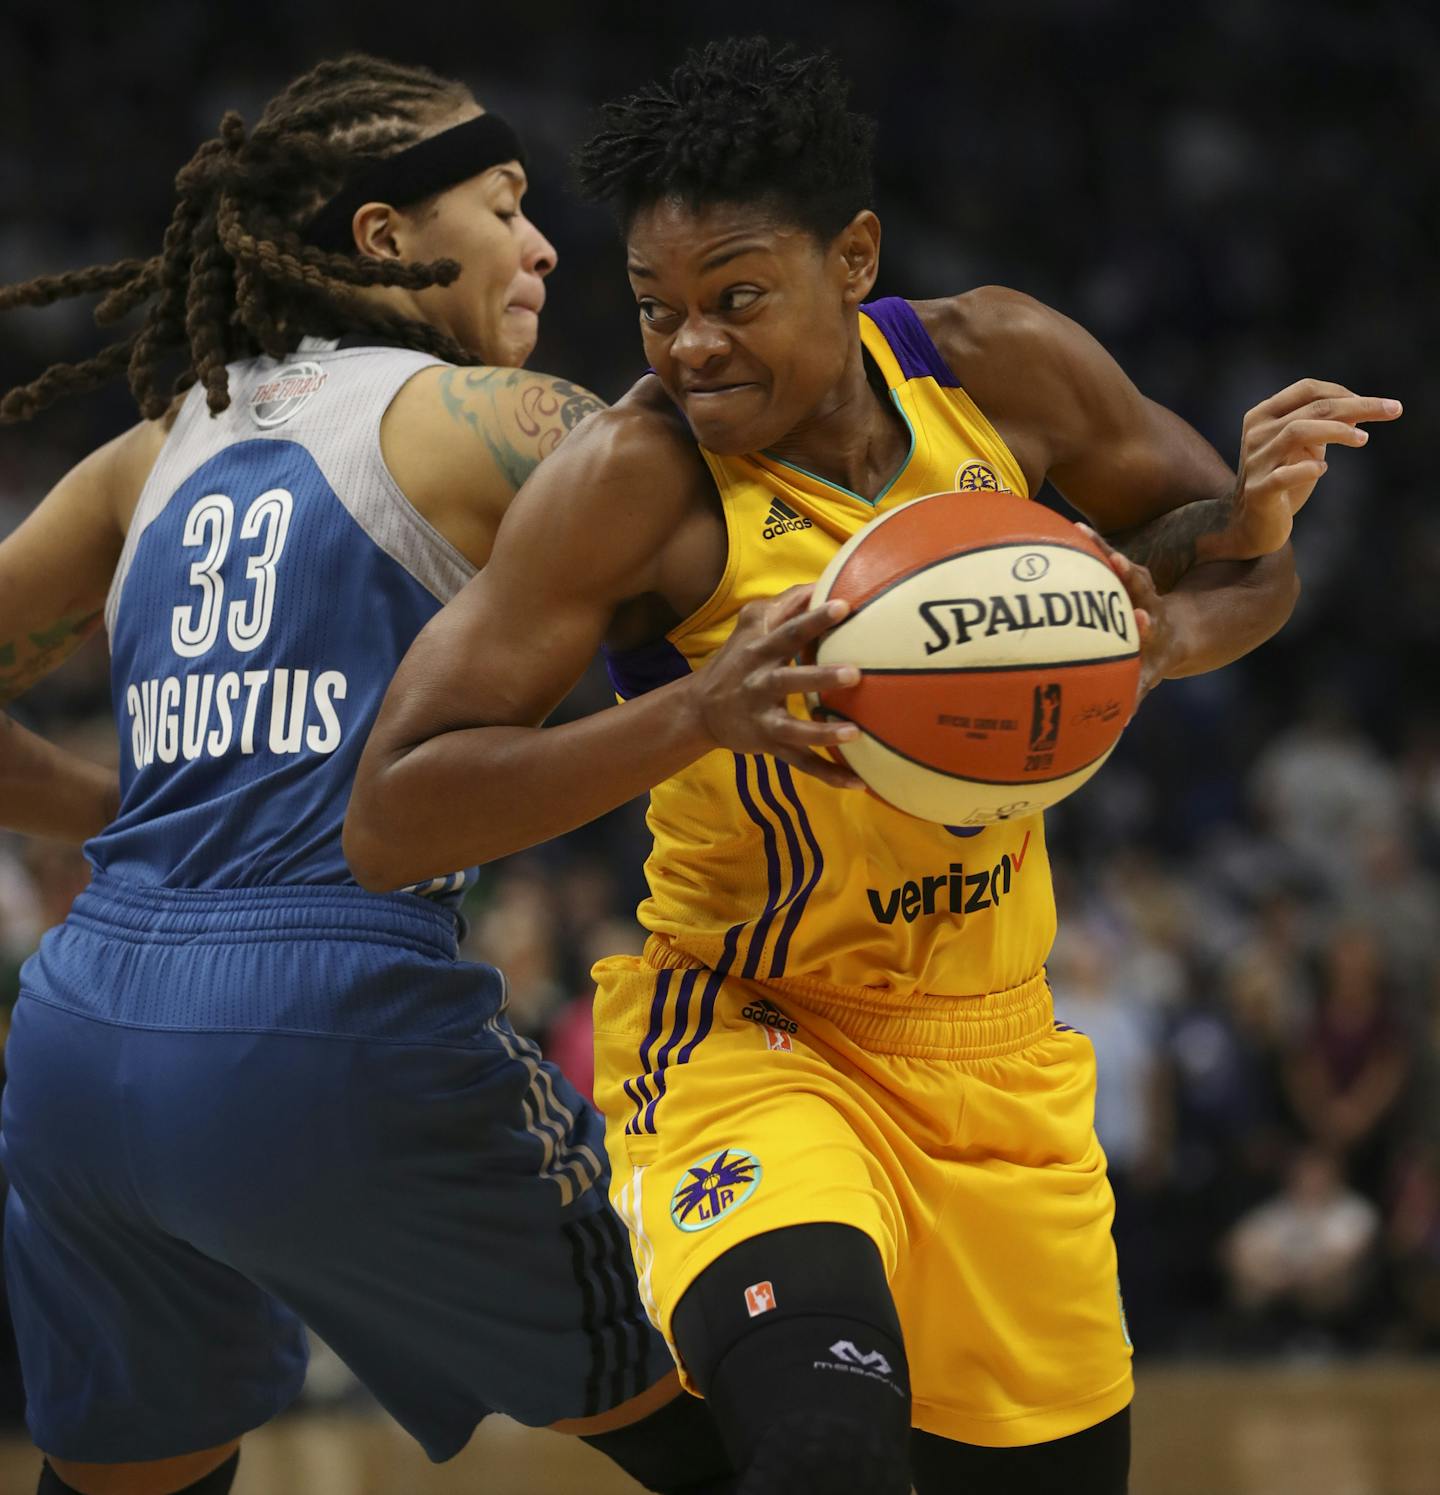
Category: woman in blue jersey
[243,1092]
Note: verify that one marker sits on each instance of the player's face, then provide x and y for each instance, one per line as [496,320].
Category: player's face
[493,306]
[748,320]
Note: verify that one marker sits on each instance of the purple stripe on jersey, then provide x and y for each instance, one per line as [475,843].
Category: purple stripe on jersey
[702,1028]
[792,918]
[912,346]
[712,985]
[712,988]
[634,671]
[677,1030]
[772,858]
[636,1089]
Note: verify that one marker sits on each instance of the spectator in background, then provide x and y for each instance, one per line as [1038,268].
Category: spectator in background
[1323,785]
[519,925]
[1347,1076]
[1389,892]
[1121,1025]
[1299,1264]
[1130,1117]
[1221,1071]
[1420,784]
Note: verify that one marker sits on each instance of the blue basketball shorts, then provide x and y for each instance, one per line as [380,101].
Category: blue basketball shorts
[231,1112]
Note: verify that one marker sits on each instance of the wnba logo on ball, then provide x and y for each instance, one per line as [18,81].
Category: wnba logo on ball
[1045,718]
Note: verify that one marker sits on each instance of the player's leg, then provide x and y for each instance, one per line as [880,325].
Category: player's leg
[143,1359]
[674,1447]
[211,1471]
[450,1236]
[1095,1461]
[1031,1356]
[793,1339]
[734,1156]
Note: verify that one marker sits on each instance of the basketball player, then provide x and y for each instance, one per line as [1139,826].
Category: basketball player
[243,1092]
[855,1151]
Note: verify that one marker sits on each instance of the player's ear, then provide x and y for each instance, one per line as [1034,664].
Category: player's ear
[858,247]
[376,226]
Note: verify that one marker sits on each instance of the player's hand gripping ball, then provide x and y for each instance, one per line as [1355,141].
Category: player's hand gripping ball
[999,651]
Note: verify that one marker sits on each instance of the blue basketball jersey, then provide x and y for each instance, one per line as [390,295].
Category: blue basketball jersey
[272,579]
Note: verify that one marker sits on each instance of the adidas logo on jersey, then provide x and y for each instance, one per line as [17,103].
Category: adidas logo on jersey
[782,519]
[769,1016]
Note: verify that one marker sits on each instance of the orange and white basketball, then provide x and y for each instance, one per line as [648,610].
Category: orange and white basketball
[999,653]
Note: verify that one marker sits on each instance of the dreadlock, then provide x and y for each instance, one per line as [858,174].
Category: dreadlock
[737,121]
[234,277]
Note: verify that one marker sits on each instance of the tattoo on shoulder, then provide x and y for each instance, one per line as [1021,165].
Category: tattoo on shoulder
[577,403]
[24,661]
[543,415]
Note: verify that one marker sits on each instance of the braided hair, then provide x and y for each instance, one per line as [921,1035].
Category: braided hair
[234,277]
[738,121]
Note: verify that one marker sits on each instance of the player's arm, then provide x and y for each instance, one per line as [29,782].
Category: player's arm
[1213,545]
[458,769]
[55,571]
[1142,476]
[461,441]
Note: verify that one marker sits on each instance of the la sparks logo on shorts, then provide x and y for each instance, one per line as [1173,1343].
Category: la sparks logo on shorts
[285,395]
[976,477]
[713,1187]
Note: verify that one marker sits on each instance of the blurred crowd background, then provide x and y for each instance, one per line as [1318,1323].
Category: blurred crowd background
[1229,199]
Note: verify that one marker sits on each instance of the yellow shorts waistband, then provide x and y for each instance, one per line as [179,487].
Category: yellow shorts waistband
[916,1024]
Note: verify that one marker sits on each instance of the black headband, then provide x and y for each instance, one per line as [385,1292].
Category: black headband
[419,171]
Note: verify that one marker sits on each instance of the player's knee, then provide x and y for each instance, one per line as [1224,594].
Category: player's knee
[676,1450]
[818,1453]
[793,1339]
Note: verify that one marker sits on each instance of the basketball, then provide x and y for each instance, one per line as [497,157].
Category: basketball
[999,652]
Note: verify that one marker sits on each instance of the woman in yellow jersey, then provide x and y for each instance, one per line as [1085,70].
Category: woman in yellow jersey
[855,1151]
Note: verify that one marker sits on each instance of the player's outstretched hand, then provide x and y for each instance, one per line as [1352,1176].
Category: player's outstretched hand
[1282,455]
[743,690]
[1161,646]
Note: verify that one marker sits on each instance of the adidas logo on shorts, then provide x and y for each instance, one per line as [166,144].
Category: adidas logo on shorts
[782,519]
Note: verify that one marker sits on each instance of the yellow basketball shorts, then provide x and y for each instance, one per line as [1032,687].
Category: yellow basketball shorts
[957,1133]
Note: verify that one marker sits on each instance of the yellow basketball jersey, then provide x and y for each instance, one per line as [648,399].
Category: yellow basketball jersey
[768,874]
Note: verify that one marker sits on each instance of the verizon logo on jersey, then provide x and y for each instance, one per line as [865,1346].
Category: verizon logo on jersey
[211,715]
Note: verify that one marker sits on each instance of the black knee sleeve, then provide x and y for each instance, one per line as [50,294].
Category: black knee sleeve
[675,1451]
[1093,1462]
[217,1482]
[794,1341]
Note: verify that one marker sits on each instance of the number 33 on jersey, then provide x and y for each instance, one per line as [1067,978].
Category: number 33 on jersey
[205,712]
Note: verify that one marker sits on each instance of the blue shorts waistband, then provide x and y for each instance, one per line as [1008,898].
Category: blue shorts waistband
[219,915]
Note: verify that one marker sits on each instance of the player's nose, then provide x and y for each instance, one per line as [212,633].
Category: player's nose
[699,342]
[540,256]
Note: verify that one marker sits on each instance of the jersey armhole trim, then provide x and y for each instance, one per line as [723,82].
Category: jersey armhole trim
[706,612]
[144,515]
[409,513]
[999,450]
